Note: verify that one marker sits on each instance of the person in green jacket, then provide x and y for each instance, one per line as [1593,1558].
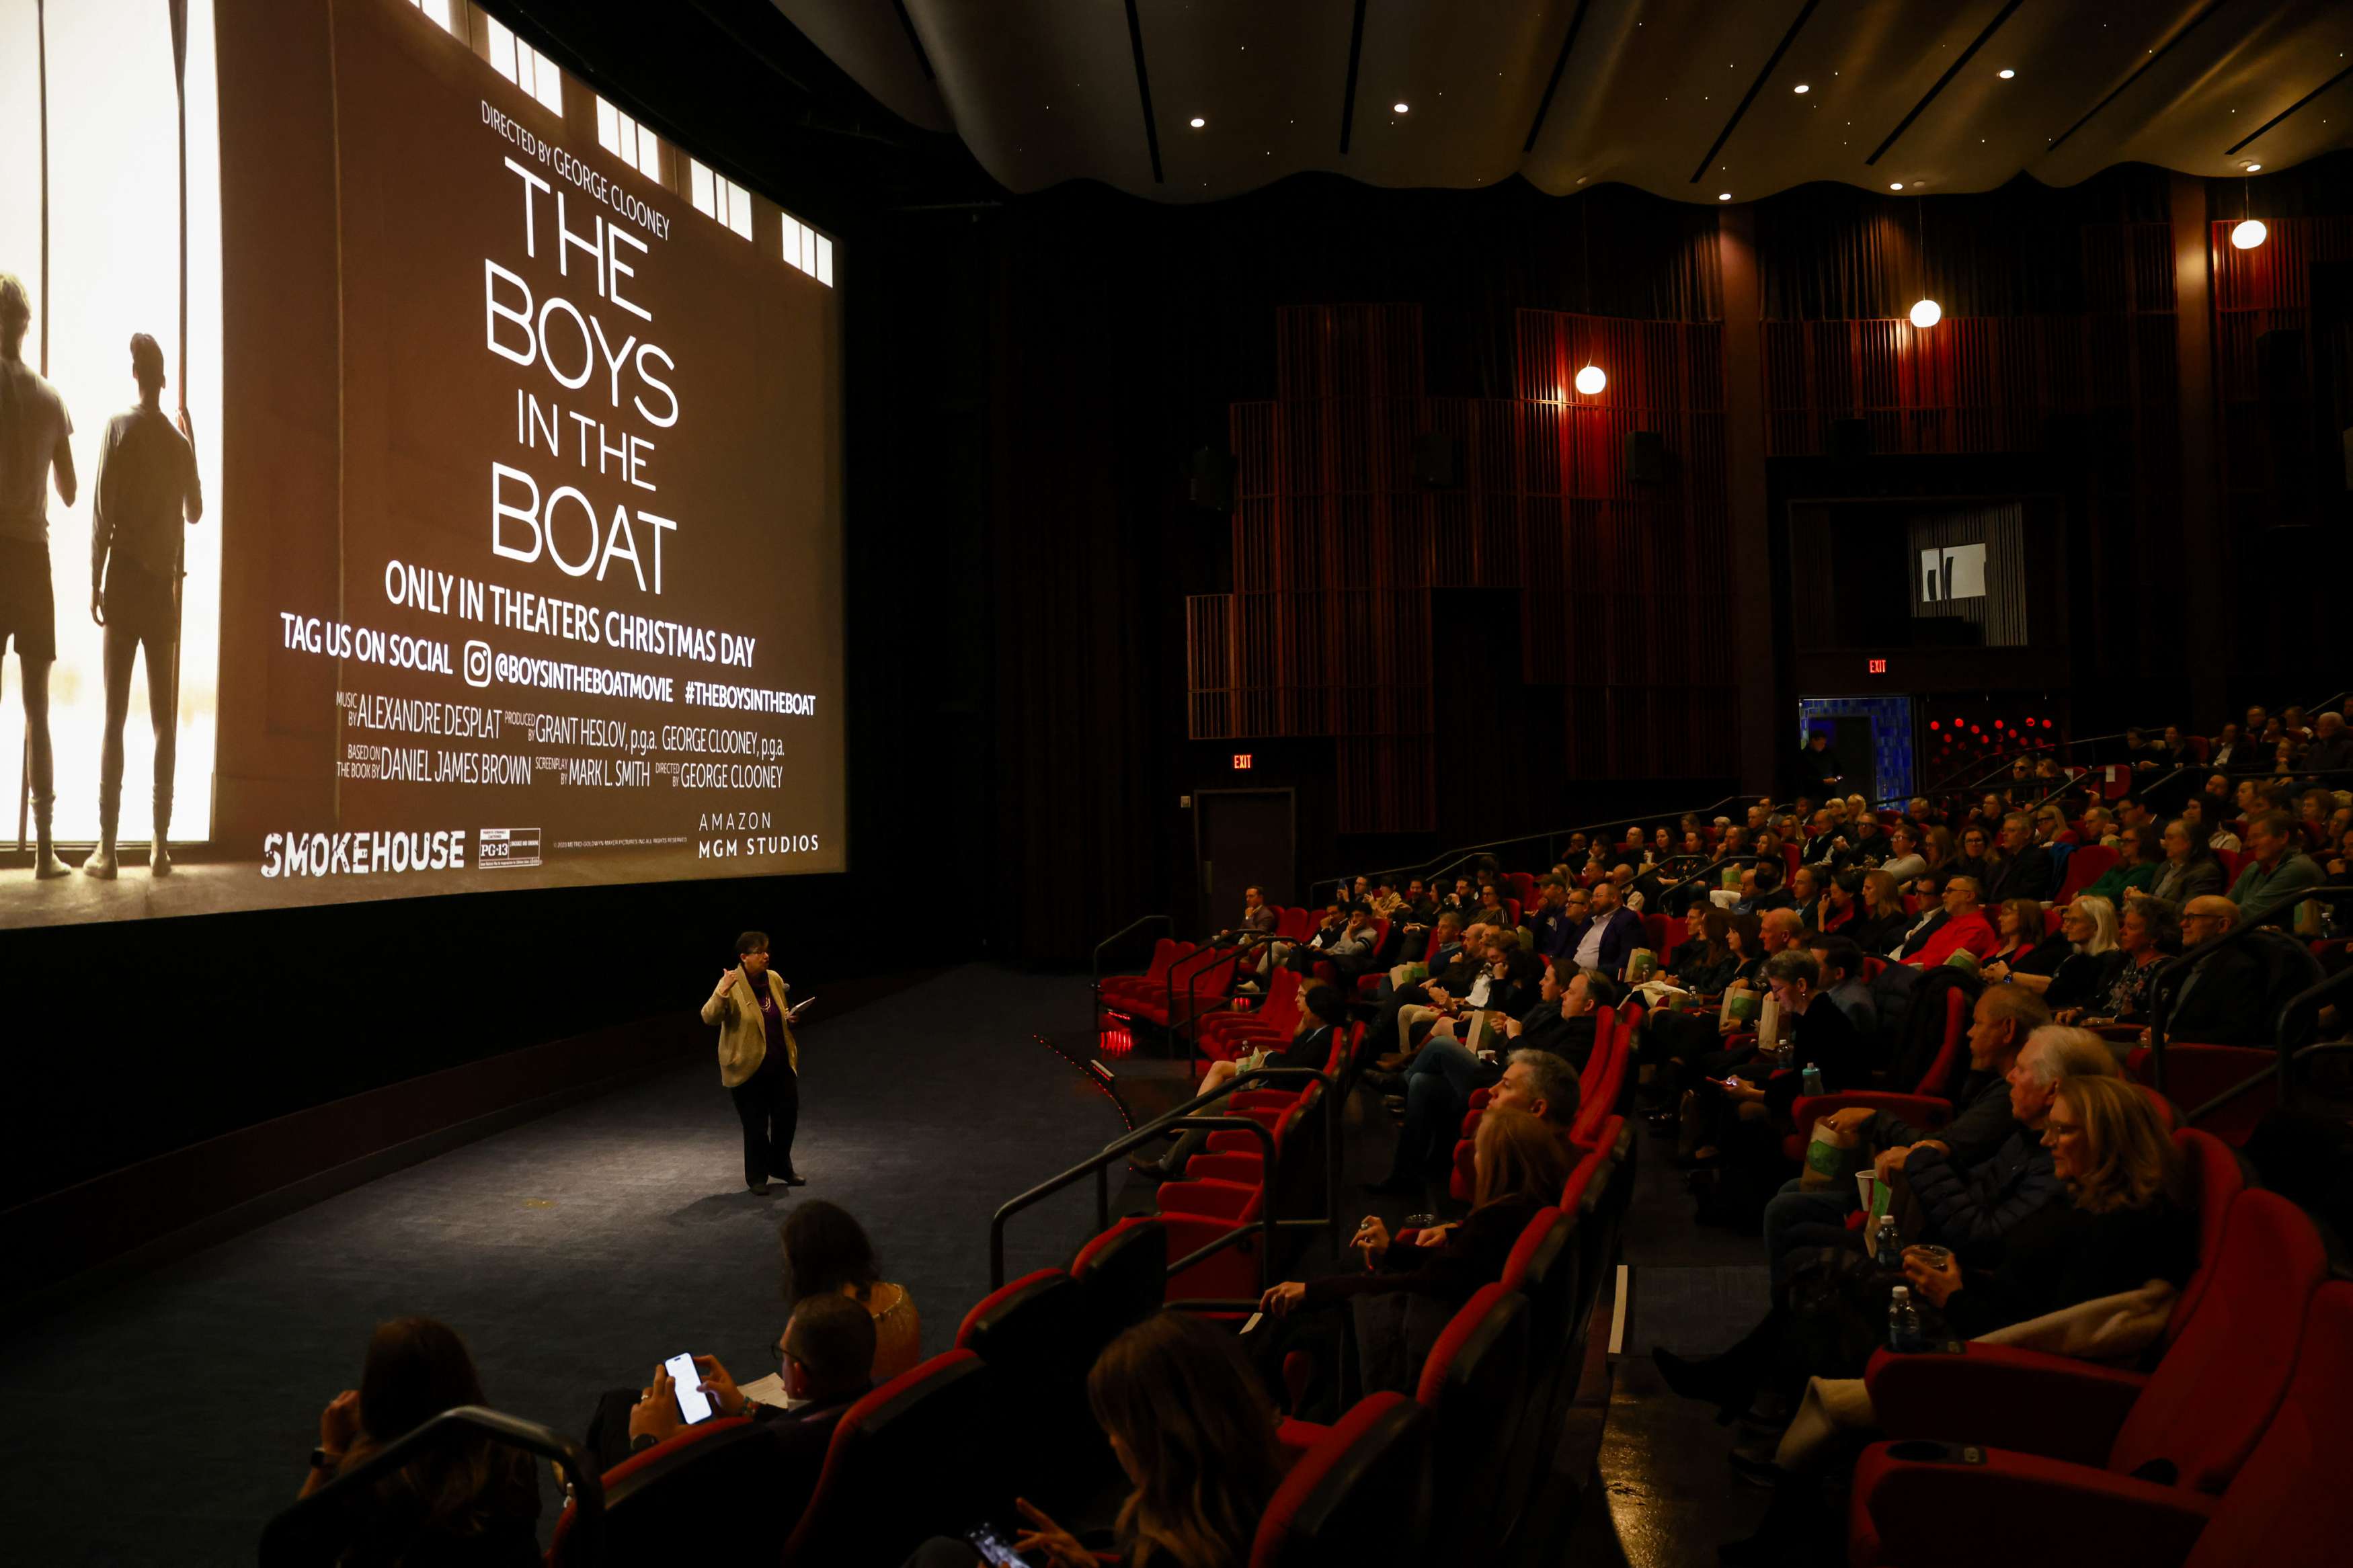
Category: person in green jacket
[2136,868]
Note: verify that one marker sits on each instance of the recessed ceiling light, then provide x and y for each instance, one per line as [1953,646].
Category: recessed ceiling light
[1724,196]
[1400,108]
[2006,75]
[1197,123]
[1896,185]
[2253,167]
[1801,87]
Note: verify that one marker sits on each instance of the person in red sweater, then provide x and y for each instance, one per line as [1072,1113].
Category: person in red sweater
[1965,926]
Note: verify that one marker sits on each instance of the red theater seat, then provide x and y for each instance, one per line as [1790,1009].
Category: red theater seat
[2289,1502]
[909,1461]
[1124,1272]
[1928,1106]
[691,1486]
[2069,1433]
[2195,1074]
[1361,1494]
[1474,1385]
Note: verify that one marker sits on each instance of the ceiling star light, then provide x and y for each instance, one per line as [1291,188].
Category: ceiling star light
[1401,107]
[2250,234]
[1591,380]
[1197,123]
[1894,185]
[1801,87]
[1724,196]
[2253,168]
[2006,75]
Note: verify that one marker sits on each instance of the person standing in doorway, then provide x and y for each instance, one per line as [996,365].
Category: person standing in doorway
[758,1060]
[147,488]
[34,431]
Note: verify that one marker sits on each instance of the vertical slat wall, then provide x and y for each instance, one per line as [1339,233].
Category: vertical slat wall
[1337,551]
[2257,292]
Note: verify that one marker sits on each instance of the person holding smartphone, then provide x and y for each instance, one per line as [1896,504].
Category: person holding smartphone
[759,1061]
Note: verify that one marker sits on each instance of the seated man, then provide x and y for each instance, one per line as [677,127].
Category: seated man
[2280,874]
[1843,981]
[1963,927]
[826,1350]
[1609,935]
[1768,895]
[1982,1119]
[2222,1000]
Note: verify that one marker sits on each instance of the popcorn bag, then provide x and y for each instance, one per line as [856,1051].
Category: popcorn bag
[1830,1158]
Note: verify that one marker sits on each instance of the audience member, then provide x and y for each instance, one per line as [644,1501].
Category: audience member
[2189,869]
[2020,943]
[2025,871]
[1882,921]
[2279,875]
[1551,922]
[1608,934]
[1959,927]
[1845,982]
[825,1253]
[471,1501]
[2149,931]
[1322,1012]
[2224,999]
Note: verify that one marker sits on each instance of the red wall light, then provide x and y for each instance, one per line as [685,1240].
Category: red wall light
[1878,666]
[1241,761]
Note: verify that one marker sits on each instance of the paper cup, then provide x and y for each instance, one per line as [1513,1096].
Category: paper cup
[1865,1183]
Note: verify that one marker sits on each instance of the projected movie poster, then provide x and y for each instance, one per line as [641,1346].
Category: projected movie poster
[429,483]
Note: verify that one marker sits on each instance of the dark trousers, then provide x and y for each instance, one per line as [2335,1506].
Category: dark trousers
[768,1103]
[139,618]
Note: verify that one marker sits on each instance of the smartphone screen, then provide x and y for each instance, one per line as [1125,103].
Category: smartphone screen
[994,1547]
[693,1405]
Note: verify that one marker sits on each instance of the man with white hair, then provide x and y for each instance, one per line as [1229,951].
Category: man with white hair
[35,431]
[2332,748]
[1971,1208]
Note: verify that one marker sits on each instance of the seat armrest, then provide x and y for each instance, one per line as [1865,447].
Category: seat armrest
[1247,1099]
[2028,1401]
[2014,1507]
[1247,1169]
[1919,1108]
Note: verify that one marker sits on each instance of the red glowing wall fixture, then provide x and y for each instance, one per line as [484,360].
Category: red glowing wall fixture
[1241,761]
[1878,666]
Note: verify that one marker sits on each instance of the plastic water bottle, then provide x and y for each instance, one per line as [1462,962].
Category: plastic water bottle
[1904,1336]
[1813,1079]
[1887,1247]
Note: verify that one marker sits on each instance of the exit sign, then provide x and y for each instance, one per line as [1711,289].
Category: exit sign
[1878,666]
[1241,761]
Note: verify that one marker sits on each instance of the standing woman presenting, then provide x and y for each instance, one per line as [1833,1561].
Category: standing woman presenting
[758,1061]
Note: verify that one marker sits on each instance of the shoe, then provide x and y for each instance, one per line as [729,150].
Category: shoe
[791,1180]
[1391,1061]
[1150,1170]
[159,862]
[758,1189]
[1386,1082]
[46,866]
[101,864]
[1711,1381]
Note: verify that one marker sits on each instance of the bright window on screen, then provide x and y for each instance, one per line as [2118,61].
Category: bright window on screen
[630,141]
[717,196]
[447,13]
[527,67]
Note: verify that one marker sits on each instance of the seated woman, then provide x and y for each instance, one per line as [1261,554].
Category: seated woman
[2088,966]
[1973,860]
[1883,920]
[1677,1046]
[2135,868]
[1705,963]
[1190,1425]
[2121,1225]
[1519,1167]
[1741,1118]
[2124,1223]
[2150,932]
[2018,929]
[825,1249]
[474,1502]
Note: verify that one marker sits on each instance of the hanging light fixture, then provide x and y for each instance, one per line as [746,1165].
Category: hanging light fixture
[2249,232]
[1590,381]
[1926,312]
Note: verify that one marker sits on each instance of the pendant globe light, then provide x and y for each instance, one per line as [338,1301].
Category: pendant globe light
[1926,312]
[2249,231]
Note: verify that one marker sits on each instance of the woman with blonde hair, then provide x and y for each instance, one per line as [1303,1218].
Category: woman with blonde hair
[2123,1225]
[2093,957]
[1881,922]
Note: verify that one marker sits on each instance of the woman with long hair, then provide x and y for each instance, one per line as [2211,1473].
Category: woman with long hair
[2090,963]
[471,1502]
[1519,1165]
[1190,1425]
[826,1251]
[1882,921]
[2018,933]
[2146,934]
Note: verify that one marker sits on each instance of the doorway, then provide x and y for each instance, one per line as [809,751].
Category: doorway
[1243,838]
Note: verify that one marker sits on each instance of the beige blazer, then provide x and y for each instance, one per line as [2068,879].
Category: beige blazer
[743,1035]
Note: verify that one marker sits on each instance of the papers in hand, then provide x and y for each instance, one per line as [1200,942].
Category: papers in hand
[769,1390]
[799,1008]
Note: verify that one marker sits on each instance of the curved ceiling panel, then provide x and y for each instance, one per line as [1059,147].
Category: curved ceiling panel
[1694,100]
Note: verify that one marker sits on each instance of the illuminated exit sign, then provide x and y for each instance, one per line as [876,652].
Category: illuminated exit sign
[1878,666]
[1241,761]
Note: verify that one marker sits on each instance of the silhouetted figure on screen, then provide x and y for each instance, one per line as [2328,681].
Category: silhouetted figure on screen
[34,427]
[147,486]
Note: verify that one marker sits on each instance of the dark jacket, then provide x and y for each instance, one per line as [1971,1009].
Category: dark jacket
[2197,879]
[1472,1255]
[2058,1255]
[2084,978]
[1553,930]
[1981,1123]
[2030,874]
[803,1436]
[2222,1001]
[1620,938]
[1971,1208]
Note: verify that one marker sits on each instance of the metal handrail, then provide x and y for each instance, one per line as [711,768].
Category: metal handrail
[1098,1163]
[2176,969]
[1192,979]
[314,1529]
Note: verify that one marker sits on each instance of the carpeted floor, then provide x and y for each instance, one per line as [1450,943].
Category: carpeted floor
[164,1421]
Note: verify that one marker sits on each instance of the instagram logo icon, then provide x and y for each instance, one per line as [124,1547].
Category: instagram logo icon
[478,663]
